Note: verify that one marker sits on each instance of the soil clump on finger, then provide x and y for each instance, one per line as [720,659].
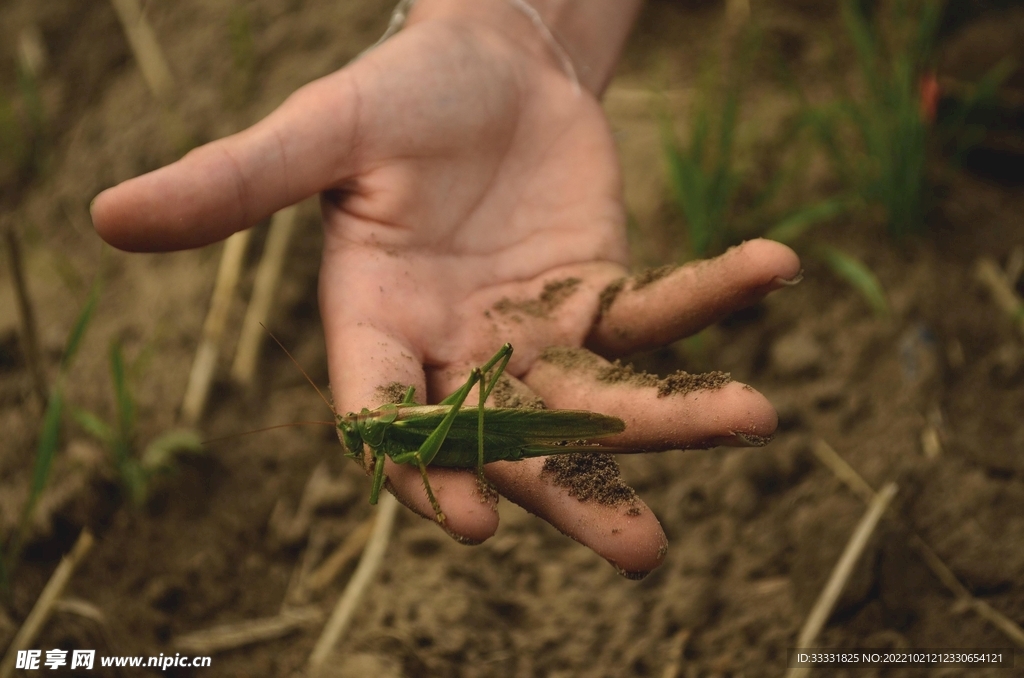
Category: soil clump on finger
[506,395]
[617,372]
[393,393]
[589,476]
[639,281]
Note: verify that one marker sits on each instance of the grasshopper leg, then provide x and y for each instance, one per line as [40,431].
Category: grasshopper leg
[378,476]
[430,447]
[430,493]
[485,390]
[428,450]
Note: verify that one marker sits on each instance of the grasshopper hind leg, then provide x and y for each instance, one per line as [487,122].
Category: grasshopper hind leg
[430,447]
[430,493]
[378,484]
[486,386]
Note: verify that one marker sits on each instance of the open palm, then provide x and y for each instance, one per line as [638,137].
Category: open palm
[461,177]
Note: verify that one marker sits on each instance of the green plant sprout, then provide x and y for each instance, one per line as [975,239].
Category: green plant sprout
[842,264]
[134,472]
[49,440]
[719,204]
[880,141]
[702,174]
[702,178]
[706,181]
[857,274]
[22,131]
[887,164]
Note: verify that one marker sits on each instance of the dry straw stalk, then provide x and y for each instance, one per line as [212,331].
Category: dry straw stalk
[146,49]
[231,636]
[205,363]
[841,573]
[999,286]
[40,613]
[268,275]
[856,482]
[353,593]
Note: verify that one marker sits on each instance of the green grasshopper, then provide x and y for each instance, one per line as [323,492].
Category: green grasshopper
[448,436]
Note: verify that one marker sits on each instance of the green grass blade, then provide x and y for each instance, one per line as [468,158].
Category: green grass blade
[723,182]
[79,328]
[122,394]
[700,175]
[161,454]
[981,100]
[864,45]
[824,123]
[699,131]
[920,50]
[681,178]
[49,436]
[49,439]
[93,425]
[857,274]
[727,125]
[687,183]
[133,477]
[803,219]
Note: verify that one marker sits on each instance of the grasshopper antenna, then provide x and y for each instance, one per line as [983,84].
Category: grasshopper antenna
[269,428]
[296,363]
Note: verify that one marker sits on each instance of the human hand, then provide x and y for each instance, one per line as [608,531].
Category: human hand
[459,169]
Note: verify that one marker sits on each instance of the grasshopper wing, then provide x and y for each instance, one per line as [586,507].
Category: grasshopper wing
[509,434]
[518,426]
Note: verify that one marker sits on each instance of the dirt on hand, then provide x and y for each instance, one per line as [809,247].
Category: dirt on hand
[393,393]
[677,383]
[552,296]
[637,282]
[506,394]
[589,476]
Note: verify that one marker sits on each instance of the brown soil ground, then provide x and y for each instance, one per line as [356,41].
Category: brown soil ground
[754,533]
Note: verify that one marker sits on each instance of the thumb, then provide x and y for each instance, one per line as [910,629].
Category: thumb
[302,148]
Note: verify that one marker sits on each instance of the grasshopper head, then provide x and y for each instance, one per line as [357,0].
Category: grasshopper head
[349,434]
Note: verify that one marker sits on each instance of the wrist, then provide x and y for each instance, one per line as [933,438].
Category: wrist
[521,25]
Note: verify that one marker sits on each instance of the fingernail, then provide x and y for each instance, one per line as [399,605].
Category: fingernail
[635,576]
[734,440]
[788,282]
[461,538]
[751,439]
